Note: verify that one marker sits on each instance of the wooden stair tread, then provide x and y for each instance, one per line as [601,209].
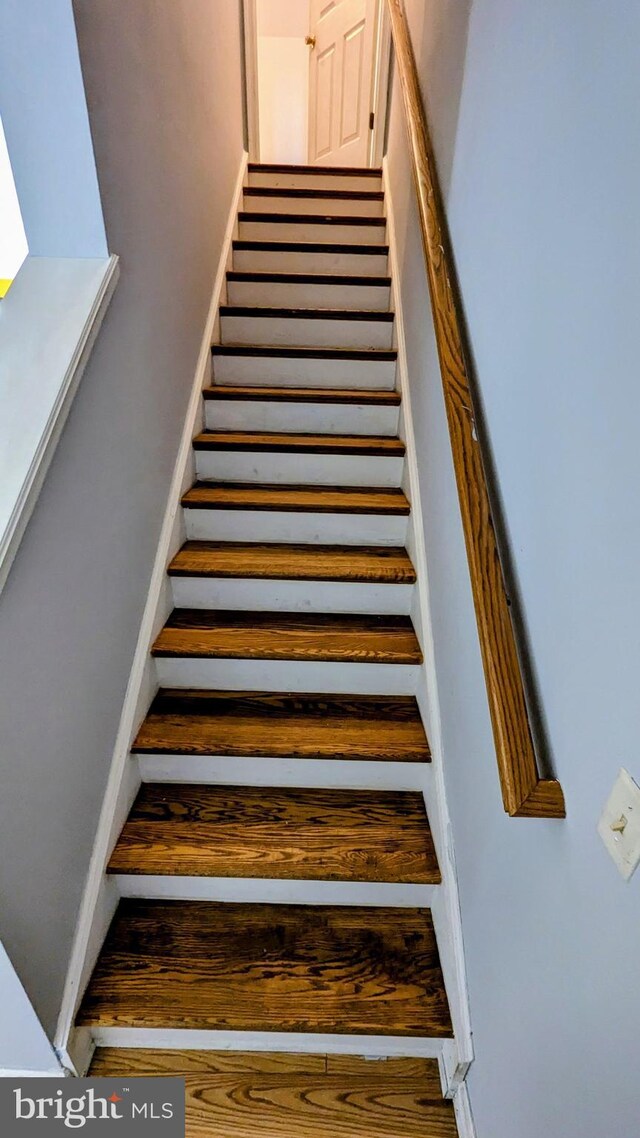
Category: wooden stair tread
[267,276]
[352,249]
[297,193]
[302,352]
[245,635]
[264,312]
[272,725]
[283,497]
[254,967]
[280,442]
[312,219]
[251,1095]
[315,835]
[253,393]
[304,562]
[297,168]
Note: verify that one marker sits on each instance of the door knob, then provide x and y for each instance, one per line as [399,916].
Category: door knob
[310,41]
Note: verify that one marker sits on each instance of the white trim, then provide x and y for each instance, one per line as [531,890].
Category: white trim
[381,71]
[250,24]
[355,774]
[9,1073]
[464,1116]
[100,896]
[446,909]
[307,1043]
[22,318]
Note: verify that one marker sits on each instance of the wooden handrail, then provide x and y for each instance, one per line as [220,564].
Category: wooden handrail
[524,792]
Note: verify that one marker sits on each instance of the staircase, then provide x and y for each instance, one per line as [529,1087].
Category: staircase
[277,866]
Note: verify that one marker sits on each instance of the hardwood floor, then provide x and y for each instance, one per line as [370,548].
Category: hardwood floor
[251,967]
[274,561]
[270,725]
[289,636]
[316,499]
[333,835]
[247,1095]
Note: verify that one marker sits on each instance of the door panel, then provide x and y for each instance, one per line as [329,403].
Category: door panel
[340,86]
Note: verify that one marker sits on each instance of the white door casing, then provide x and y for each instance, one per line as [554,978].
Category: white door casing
[340,81]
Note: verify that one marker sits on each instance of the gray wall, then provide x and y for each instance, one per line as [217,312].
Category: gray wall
[163,90]
[46,126]
[535,119]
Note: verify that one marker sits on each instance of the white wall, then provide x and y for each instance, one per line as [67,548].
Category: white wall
[534,119]
[165,108]
[13,241]
[283,79]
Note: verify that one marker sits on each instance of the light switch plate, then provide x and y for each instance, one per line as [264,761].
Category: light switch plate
[619,826]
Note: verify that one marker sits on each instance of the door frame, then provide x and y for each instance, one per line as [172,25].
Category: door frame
[378,98]
[252,102]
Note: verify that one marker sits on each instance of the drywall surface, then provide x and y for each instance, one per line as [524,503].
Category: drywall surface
[23,1043]
[44,112]
[283,79]
[165,106]
[13,241]
[534,118]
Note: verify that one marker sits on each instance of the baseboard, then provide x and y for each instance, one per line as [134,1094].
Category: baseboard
[446,907]
[100,897]
[464,1116]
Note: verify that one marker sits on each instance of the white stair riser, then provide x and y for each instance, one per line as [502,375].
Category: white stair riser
[295,526]
[280,294]
[309,231]
[287,675]
[274,891]
[291,1042]
[249,594]
[295,371]
[317,418]
[284,330]
[338,774]
[297,180]
[312,469]
[325,207]
[299,261]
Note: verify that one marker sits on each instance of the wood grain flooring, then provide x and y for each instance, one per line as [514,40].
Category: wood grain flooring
[239,967]
[289,636]
[255,1095]
[272,725]
[224,831]
[284,498]
[251,393]
[383,564]
[278,442]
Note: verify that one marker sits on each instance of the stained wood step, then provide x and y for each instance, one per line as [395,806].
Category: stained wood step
[275,725]
[353,250]
[281,351]
[260,1095]
[278,442]
[331,171]
[296,193]
[283,498]
[253,393]
[306,313]
[270,561]
[356,220]
[238,635]
[252,967]
[315,835]
[310,278]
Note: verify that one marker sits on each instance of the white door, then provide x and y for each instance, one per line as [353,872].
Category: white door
[340,81]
